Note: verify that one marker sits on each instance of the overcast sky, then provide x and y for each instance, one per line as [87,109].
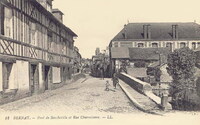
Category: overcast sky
[96,22]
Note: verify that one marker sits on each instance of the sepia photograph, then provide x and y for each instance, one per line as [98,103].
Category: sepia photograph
[97,62]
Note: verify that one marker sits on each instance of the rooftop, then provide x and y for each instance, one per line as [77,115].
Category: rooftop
[145,54]
[56,10]
[159,31]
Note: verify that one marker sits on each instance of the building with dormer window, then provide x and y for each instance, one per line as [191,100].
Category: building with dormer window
[36,48]
[152,42]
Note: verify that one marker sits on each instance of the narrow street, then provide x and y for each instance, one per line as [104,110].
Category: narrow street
[87,95]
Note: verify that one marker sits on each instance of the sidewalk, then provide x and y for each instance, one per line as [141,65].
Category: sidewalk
[34,99]
[141,101]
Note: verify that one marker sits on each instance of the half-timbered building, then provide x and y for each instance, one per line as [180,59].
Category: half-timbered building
[36,48]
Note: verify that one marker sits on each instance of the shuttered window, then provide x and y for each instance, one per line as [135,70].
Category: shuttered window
[8,22]
[1,19]
[32,33]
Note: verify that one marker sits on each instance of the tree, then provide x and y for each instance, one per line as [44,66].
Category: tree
[198,86]
[157,73]
[140,64]
[181,66]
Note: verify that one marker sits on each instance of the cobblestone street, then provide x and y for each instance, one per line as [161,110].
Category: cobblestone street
[86,95]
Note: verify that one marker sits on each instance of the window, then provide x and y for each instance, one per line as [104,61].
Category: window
[1,19]
[8,22]
[114,44]
[141,45]
[126,44]
[193,45]
[169,45]
[182,45]
[49,39]
[32,33]
[154,45]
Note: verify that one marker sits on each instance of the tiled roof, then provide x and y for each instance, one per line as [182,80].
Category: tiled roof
[137,72]
[120,52]
[145,54]
[148,53]
[159,31]
[51,16]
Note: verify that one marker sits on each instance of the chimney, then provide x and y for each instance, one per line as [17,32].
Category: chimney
[147,31]
[47,4]
[175,31]
[125,32]
[58,14]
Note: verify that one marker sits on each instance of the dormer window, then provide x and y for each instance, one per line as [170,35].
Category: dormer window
[47,4]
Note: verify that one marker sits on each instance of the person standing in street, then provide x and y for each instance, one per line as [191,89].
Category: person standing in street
[115,80]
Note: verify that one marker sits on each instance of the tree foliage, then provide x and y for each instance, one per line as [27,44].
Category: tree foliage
[158,73]
[181,66]
[198,86]
[140,64]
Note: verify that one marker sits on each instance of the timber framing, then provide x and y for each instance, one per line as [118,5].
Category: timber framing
[56,48]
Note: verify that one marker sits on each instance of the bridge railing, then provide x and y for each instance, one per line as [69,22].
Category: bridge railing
[137,84]
[144,88]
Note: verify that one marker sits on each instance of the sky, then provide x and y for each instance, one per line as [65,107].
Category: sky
[96,22]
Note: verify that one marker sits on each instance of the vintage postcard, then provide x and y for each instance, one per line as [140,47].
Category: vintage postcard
[100,62]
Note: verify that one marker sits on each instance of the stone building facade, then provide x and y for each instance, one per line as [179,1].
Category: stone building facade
[135,40]
[145,35]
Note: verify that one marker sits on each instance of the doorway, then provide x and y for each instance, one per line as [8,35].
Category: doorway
[34,78]
[47,77]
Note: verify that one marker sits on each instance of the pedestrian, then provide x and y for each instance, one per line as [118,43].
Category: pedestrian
[107,86]
[102,71]
[115,80]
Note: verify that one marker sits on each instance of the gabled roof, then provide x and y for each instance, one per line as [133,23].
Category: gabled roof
[137,72]
[51,16]
[159,31]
